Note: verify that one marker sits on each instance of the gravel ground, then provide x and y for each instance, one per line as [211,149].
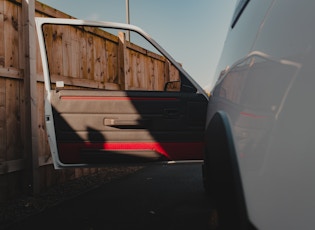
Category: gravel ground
[17,210]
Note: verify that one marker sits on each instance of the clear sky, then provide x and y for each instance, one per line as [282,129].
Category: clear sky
[192,31]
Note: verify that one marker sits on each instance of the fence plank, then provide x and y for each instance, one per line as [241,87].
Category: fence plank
[159,74]
[132,70]
[83,53]
[66,51]
[2,120]
[99,59]
[90,57]
[11,40]
[122,62]
[56,54]
[75,53]
[112,62]
[2,34]
[13,126]
[141,78]
[150,68]
[11,72]
[174,74]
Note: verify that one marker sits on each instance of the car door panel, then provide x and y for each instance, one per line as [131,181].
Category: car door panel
[96,124]
[95,127]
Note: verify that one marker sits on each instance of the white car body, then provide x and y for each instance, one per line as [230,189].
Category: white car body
[264,94]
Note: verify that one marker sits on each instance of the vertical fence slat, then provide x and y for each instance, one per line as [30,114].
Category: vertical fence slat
[90,57]
[132,69]
[11,35]
[153,73]
[97,60]
[122,62]
[66,52]
[159,75]
[75,54]
[2,120]
[141,78]
[13,137]
[83,53]
[112,60]
[2,34]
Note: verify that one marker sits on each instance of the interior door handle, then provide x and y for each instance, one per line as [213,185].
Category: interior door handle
[126,123]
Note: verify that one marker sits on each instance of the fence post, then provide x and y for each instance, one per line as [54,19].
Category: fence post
[30,89]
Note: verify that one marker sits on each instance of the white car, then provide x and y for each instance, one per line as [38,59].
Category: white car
[256,132]
[260,129]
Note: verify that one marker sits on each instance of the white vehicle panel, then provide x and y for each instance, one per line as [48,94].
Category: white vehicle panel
[267,93]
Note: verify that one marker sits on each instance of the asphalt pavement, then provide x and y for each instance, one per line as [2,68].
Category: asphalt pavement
[156,197]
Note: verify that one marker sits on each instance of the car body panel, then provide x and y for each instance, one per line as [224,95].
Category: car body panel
[266,87]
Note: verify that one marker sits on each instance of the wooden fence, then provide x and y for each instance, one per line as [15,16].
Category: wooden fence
[90,57]
[25,160]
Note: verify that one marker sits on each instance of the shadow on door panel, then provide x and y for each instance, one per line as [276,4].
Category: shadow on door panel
[116,126]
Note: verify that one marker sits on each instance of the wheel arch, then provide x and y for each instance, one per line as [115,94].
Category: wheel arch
[222,168]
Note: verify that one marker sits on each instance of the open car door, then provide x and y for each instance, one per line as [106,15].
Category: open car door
[110,100]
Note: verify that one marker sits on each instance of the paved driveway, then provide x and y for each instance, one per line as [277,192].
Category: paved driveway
[156,197]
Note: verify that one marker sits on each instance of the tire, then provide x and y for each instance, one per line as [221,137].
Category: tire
[221,176]
[206,176]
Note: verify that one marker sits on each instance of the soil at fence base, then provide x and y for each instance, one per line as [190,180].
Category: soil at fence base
[17,210]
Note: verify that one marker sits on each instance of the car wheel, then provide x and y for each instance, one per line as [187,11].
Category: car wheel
[221,177]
